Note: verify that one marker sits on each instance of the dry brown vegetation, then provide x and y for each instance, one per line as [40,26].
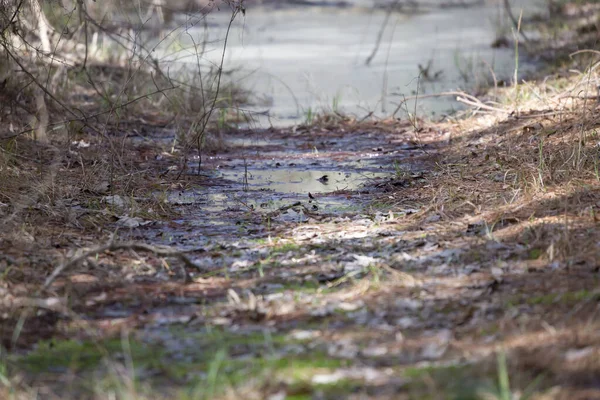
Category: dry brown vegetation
[480,259]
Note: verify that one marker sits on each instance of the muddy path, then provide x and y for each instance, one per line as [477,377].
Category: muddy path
[268,214]
[269,178]
[403,274]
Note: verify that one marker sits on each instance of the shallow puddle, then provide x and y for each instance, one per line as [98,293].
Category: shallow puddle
[249,202]
[301,181]
[210,206]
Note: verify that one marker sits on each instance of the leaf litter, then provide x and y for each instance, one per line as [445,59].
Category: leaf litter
[379,290]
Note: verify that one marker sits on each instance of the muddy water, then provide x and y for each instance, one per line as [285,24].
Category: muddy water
[308,59]
[298,181]
[266,180]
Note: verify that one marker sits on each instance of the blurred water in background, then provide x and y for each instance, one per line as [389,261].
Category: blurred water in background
[302,60]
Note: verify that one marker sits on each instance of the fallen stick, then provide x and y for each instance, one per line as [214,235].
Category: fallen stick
[481,105]
[284,208]
[114,246]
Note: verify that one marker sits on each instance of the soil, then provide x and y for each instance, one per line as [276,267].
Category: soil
[453,263]
[358,259]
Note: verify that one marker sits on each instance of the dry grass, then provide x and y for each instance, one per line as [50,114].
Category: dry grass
[524,181]
[100,115]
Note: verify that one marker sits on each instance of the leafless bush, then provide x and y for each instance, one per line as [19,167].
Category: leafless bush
[70,68]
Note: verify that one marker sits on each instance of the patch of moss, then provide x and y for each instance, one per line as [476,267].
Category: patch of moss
[489,329]
[334,390]
[566,298]
[308,286]
[534,254]
[296,370]
[285,247]
[464,382]
[563,298]
[74,355]
[217,360]
[380,205]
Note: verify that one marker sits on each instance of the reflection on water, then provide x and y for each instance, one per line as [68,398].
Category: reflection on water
[310,58]
[301,182]
[266,190]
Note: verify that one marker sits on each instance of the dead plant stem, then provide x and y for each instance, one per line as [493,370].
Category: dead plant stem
[206,117]
[516,23]
[381,31]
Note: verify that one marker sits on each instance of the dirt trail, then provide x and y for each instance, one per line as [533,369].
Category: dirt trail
[407,273]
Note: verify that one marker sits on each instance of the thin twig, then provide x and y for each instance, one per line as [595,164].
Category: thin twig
[98,114]
[205,118]
[513,19]
[284,208]
[13,18]
[479,104]
[381,31]
[47,92]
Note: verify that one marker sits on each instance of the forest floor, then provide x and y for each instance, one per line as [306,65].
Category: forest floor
[454,260]
[374,259]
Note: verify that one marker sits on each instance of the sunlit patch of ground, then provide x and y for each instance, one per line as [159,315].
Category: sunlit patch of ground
[471,271]
[443,282]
